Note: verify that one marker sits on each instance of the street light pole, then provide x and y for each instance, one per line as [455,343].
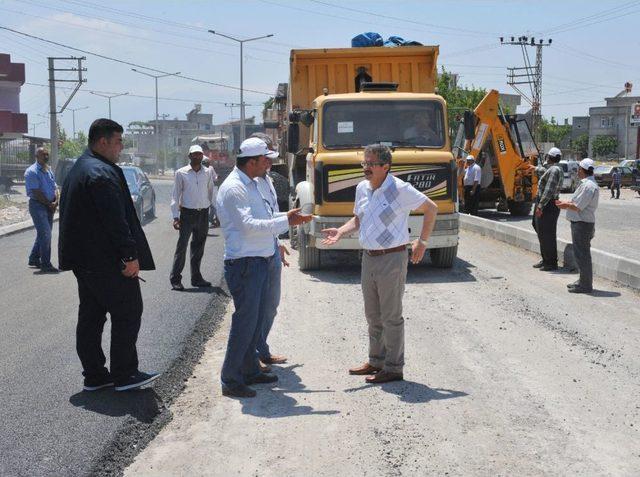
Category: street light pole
[109,97]
[73,113]
[242,42]
[155,77]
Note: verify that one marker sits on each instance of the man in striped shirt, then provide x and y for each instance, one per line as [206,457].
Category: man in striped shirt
[546,212]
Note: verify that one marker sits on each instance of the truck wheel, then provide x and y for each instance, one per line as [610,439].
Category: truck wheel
[519,209]
[443,257]
[281,185]
[308,257]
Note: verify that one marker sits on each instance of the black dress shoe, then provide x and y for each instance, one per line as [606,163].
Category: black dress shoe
[579,289]
[540,264]
[177,286]
[262,378]
[34,263]
[549,268]
[240,391]
[200,283]
[574,284]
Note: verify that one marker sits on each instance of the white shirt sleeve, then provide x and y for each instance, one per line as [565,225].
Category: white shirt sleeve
[236,204]
[176,195]
[410,198]
[357,199]
[477,174]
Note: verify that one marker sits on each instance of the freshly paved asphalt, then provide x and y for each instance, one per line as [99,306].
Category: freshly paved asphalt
[48,426]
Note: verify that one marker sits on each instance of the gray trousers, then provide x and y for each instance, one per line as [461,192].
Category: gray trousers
[581,235]
[383,279]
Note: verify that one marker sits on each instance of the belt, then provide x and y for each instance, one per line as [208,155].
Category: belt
[384,251]
[184,209]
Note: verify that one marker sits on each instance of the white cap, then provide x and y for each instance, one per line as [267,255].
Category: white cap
[470,158]
[586,164]
[254,146]
[195,148]
[555,152]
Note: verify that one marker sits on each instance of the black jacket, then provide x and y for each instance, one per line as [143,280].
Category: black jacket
[99,226]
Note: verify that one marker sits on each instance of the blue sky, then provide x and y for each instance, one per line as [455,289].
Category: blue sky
[594,51]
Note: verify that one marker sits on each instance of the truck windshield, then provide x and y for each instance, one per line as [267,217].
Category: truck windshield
[355,124]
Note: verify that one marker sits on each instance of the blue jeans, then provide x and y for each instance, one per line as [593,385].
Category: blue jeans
[43,220]
[247,281]
[272,301]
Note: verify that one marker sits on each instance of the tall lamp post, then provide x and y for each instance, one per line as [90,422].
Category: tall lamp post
[34,125]
[155,77]
[73,113]
[109,97]
[242,42]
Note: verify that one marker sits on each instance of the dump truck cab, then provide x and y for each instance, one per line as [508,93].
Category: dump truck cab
[342,125]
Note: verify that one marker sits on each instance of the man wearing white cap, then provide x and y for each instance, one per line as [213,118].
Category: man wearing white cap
[250,227]
[471,181]
[581,211]
[192,196]
[545,215]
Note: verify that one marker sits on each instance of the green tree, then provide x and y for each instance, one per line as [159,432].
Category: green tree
[581,145]
[604,145]
[70,148]
[551,131]
[458,99]
[268,104]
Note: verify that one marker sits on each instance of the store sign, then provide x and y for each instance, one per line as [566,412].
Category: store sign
[635,114]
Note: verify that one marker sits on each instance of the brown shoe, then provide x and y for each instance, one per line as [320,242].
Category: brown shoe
[275,359]
[384,377]
[264,368]
[366,368]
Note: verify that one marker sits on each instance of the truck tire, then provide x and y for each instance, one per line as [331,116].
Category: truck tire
[519,209]
[443,257]
[308,257]
[281,185]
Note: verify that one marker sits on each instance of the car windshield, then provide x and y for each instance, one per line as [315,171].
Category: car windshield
[130,176]
[603,169]
[356,124]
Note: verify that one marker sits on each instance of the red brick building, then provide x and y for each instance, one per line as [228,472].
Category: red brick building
[13,124]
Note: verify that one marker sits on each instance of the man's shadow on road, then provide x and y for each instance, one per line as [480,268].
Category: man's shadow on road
[412,392]
[276,402]
[141,404]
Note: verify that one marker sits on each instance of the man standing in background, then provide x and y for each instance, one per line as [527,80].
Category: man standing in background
[471,181]
[192,196]
[616,181]
[43,201]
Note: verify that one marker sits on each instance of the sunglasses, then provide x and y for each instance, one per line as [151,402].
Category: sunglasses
[371,164]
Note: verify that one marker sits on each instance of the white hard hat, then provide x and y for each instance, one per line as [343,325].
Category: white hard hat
[586,164]
[555,152]
[254,146]
[470,158]
[195,148]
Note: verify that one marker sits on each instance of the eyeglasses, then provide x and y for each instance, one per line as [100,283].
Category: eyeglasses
[371,164]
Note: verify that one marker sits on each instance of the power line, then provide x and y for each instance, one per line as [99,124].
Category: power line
[578,22]
[389,17]
[128,63]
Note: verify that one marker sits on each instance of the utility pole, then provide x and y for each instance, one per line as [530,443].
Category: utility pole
[109,97]
[73,113]
[529,74]
[242,42]
[53,108]
[231,106]
[157,132]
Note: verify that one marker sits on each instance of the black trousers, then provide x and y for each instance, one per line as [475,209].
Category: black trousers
[471,201]
[615,188]
[194,224]
[119,296]
[545,227]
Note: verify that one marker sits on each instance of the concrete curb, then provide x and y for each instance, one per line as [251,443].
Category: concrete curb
[19,227]
[606,265]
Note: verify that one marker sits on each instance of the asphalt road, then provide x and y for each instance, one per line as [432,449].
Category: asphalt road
[48,425]
[617,223]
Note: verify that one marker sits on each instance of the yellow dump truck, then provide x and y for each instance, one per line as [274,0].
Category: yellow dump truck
[341,100]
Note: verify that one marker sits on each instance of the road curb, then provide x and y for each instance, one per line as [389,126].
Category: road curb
[606,265]
[19,227]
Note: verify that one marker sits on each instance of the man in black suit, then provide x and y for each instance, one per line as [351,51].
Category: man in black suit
[102,241]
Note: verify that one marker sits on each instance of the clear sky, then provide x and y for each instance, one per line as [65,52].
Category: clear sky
[595,48]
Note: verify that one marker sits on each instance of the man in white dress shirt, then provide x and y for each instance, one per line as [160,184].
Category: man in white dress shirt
[381,212]
[192,196]
[471,181]
[268,191]
[250,227]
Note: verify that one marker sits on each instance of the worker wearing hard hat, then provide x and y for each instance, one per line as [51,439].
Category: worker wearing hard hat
[581,212]
[545,217]
[471,182]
